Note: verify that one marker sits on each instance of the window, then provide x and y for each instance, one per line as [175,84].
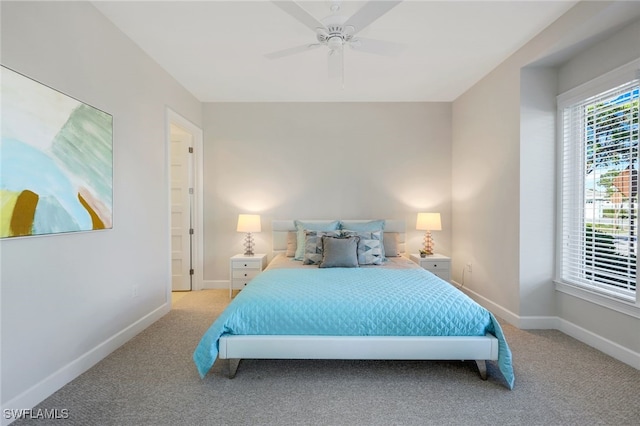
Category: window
[599,184]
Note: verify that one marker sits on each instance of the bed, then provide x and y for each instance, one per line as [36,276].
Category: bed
[393,310]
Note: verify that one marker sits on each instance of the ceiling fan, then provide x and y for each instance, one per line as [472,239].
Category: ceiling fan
[335,31]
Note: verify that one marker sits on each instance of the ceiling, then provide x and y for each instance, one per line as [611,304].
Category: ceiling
[216,49]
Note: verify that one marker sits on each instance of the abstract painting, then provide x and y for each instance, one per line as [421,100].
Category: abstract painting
[56,161]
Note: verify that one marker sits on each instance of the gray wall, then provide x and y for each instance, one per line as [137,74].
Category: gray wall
[537,191]
[67,299]
[322,161]
[503,168]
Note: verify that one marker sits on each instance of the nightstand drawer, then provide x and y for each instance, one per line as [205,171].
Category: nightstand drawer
[437,264]
[239,284]
[245,274]
[247,264]
[434,264]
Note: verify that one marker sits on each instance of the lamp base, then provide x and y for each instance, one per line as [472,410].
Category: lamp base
[248,245]
[429,245]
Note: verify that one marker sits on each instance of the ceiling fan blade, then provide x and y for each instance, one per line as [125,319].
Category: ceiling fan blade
[336,64]
[295,10]
[291,51]
[377,47]
[368,13]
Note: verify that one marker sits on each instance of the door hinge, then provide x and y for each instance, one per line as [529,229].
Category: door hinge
[190,150]
[191,231]
[190,271]
[191,191]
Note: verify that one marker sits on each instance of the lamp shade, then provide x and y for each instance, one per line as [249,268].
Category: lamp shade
[428,222]
[249,223]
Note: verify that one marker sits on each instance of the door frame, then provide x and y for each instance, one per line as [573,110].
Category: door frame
[197,244]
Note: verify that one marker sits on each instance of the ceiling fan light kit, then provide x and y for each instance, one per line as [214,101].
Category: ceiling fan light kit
[335,43]
[335,31]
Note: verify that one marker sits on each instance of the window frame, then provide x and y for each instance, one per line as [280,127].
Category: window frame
[599,85]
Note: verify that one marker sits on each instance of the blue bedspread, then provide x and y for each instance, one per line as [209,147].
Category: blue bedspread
[351,302]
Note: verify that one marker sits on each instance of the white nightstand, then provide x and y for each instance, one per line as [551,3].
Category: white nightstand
[436,263]
[243,268]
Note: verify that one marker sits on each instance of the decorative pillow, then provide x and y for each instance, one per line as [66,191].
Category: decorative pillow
[339,252]
[311,226]
[291,243]
[369,246]
[371,226]
[390,244]
[313,246]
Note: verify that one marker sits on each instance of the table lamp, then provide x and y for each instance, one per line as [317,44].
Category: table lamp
[248,223]
[428,222]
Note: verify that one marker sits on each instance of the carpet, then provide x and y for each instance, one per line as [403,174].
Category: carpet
[151,380]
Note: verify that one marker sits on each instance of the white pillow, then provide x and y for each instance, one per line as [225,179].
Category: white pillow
[369,246]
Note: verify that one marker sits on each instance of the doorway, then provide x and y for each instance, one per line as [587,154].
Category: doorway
[184,152]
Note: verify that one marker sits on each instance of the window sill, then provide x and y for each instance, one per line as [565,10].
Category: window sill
[627,308]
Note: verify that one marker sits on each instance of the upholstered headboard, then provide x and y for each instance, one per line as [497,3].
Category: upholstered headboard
[281,229]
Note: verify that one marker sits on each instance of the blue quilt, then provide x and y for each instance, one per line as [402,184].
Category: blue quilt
[352,302]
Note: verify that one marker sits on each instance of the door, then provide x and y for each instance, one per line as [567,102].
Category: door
[181,209]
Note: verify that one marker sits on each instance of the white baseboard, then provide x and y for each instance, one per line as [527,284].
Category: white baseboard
[215,284]
[46,387]
[555,323]
[604,345]
[498,310]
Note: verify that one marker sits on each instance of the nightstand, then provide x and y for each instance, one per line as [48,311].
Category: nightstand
[436,263]
[243,268]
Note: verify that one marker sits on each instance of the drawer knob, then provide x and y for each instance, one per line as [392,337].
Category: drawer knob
[245,265]
[245,275]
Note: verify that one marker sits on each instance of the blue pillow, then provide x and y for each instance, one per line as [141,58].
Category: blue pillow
[311,226]
[371,226]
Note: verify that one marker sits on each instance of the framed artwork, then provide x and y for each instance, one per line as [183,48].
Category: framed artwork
[56,161]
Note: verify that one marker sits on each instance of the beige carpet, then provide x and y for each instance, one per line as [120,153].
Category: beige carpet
[151,380]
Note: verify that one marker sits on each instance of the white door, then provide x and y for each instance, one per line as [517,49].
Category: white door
[181,208]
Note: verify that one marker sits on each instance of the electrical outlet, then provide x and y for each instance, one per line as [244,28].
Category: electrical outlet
[469,269]
[134,290]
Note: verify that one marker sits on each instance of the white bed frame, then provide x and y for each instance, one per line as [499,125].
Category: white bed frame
[234,347]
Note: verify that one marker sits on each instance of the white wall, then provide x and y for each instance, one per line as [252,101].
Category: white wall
[67,299]
[322,161]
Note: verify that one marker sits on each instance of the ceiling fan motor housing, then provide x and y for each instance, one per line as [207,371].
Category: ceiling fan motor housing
[335,34]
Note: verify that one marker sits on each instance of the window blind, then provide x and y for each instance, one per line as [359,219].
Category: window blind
[599,191]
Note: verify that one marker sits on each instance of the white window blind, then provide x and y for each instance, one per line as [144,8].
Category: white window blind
[599,190]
